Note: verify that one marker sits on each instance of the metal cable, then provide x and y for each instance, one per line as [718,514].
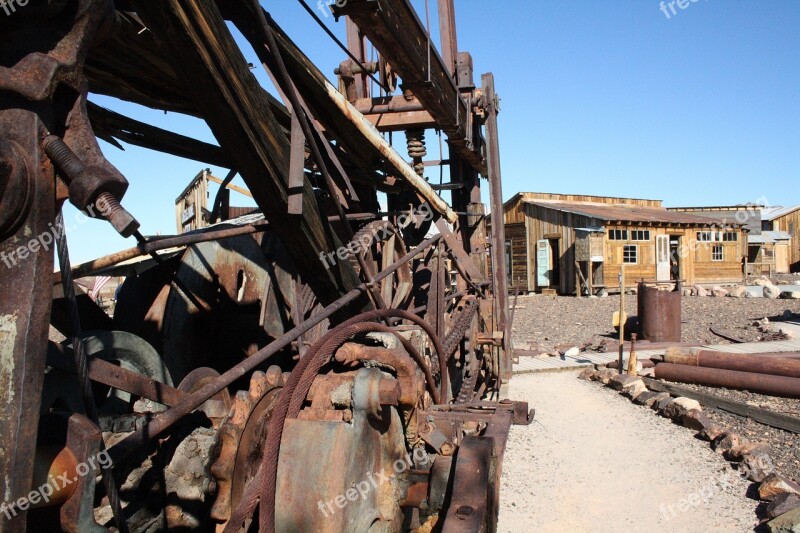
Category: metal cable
[82,366]
[341,45]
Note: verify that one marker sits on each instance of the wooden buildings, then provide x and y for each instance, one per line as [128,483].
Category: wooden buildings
[561,242]
[785,219]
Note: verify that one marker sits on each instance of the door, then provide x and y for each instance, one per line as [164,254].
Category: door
[543,255]
[662,258]
[781,259]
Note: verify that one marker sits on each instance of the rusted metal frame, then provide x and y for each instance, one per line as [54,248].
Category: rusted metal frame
[357,47]
[300,111]
[61,356]
[24,299]
[498,228]
[396,31]
[447,32]
[166,419]
[154,245]
[338,116]
[110,126]
[201,49]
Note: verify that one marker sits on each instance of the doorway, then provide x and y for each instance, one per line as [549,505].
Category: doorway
[555,262]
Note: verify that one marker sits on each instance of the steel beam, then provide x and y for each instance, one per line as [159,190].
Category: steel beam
[396,31]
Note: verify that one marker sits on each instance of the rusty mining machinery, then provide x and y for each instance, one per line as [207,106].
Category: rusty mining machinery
[240,384]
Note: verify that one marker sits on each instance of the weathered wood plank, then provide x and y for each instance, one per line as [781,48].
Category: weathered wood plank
[205,57]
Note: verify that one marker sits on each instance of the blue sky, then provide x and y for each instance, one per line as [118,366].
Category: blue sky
[598,97]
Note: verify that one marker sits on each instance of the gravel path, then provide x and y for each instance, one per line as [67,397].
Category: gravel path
[596,462]
[545,322]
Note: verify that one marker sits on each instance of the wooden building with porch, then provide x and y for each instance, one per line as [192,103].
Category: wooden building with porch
[561,242]
[786,220]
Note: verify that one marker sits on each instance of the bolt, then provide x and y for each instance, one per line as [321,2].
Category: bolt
[447,449]
[274,375]
[61,154]
[122,221]
[464,511]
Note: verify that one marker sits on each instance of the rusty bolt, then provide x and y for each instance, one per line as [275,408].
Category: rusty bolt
[347,416]
[447,449]
[122,221]
[464,511]
[425,428]
[274,375]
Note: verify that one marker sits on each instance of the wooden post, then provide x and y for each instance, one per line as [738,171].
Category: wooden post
[621,315]
[589,276]
[632,362]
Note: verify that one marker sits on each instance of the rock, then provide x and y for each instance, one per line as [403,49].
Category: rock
[718,291]
[633,390]
[790,295]
[647,372]
[604,376]
[661,403]
[602,293]
[643,398]
[737,291]
[723,443]
[572,352]
[619,381]
[696,420]
[688,292]
[774,485]
[786,523]
[738,453]
[771,292]
[763,281]
[758,466]
[587,374]
[712,432]
[679,407]
[782,504]
[700,291]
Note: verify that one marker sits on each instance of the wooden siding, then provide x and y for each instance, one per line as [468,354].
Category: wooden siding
[697,265]
[790,223]
[516,235]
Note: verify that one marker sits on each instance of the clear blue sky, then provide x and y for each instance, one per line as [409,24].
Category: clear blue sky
[598,97]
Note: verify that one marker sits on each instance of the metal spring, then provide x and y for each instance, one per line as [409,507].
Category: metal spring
[415,141]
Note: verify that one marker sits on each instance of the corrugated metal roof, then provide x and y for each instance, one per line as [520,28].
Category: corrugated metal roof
[768,237]
[773,212]
[625,213]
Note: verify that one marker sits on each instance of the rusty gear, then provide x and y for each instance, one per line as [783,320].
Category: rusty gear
[237,452]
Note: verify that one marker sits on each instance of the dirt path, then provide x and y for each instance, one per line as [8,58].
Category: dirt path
[598,463]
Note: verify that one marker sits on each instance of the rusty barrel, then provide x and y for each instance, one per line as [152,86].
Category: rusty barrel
[659,314]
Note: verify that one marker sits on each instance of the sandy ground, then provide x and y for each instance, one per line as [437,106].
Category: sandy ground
[593,462]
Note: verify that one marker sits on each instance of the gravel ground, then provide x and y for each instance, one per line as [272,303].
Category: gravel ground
[593,461]
[542,323]
[785,445]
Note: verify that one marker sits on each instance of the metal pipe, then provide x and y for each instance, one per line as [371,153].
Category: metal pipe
[191,402]
[775,366]
[730,379]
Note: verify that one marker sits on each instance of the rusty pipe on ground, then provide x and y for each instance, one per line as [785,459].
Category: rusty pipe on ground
[730,379]
[775,366]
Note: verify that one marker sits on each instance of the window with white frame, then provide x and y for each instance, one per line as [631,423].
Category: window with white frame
[630,254]
[640,235]
[618,235]
[717,253]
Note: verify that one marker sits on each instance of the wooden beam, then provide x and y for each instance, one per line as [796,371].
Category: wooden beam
[109,125]
[207,60]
